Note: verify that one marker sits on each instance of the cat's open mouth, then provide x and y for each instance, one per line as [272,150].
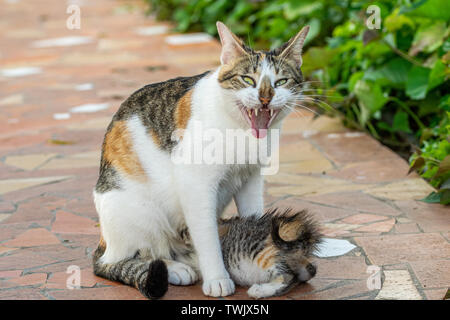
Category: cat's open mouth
[259,119]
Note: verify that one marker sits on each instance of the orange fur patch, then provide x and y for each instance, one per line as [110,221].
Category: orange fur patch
[118,151]
[183,111]
[266,258]
[102,243]
[290,231]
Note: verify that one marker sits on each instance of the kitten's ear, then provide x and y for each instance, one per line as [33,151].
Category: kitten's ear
[231,44]
[293,48]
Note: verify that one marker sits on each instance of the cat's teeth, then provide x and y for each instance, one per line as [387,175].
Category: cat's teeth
[271,112]
[256,112]
[249,113]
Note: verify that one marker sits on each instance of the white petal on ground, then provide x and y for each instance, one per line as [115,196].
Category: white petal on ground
[20,72]
[152,31]
[333,248]
[90,107]
[61,116]
[62,42]
[188,39]
[84,86]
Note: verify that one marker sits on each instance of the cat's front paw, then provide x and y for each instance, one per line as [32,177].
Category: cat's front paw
[259,291]
[218,287]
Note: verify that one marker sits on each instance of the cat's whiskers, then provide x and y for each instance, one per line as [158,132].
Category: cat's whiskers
[297,104]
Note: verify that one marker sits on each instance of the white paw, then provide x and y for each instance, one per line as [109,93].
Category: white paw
[181,274]
[218,288]
[259,291]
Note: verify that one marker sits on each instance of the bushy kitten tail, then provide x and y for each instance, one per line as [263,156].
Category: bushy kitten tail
[149,277]
[299,223]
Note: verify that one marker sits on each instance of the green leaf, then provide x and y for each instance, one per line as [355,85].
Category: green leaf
[433,9]
[417,82]
[295,8]
[417,164]
[444,167]
[428,38]
[437,75]
[446,184]
[395,71]
[396,21]
[400,122]
[433,197]
[371,98]
[445,197]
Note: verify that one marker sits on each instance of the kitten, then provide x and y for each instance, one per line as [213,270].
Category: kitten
[144,199]
[269,253]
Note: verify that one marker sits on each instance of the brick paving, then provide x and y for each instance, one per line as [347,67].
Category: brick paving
[53,115]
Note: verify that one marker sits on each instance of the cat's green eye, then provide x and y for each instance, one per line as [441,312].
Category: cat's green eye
[248,80]
[280,82]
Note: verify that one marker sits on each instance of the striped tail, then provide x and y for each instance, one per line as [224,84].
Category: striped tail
[149,277]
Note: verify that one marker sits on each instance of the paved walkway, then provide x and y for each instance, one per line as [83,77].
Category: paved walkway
[56,99]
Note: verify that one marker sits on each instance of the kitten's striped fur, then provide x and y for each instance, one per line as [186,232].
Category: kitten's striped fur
[269,253]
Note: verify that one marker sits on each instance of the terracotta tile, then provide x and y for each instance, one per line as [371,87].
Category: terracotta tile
[66,222]
[407,189]
[432,273]
[352,148]
[316,284]
[58,280]
[355,201]
[383,226]
[107,293]
[22,294]
[7,207]
[374,171]
[391,249]
[305,166]
[186,293]
[17,184]
[30,279]
[28,162]
[344,291]
[23,259]
[10,274]
[299,151]
[319,212]
[363,218]
[36,209]
[406,228]
[431,217]
[343,268]
[436,294]
[32,238]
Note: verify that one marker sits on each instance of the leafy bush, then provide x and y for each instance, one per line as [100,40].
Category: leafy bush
[391,82]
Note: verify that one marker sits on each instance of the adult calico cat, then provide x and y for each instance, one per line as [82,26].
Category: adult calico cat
[144,200]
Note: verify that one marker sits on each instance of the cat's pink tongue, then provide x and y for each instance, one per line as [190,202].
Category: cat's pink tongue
[260,123]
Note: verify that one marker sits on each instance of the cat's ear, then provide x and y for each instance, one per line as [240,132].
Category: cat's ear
[293,48]
[231,45]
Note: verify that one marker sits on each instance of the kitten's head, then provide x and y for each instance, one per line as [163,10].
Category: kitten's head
[265,85]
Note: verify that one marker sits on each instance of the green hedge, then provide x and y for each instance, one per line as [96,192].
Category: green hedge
[391,82]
